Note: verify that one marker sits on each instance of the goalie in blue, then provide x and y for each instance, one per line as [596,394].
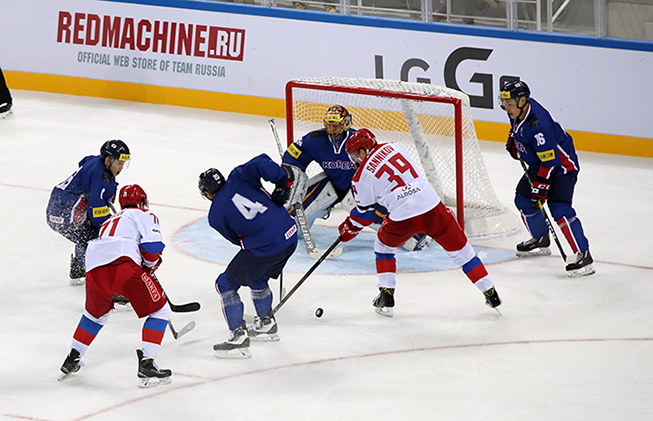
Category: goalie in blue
[246,215]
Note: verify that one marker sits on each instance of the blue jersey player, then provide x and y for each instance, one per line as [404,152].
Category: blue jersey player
[79,205]
[548,151]
[252,219]
[328,148]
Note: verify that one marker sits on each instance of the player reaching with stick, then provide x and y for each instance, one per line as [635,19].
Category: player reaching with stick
[328,148]
[122,261]
[388,176]
[548,150]
[250,218]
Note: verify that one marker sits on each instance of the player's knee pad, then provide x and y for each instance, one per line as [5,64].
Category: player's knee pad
[525,206]
[561,210]
[319,200]
[162,313]
[222,284]
[381,248]
[462,256]
[261,294]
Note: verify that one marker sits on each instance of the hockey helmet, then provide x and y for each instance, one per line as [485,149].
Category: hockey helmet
[115,149]
[211,181]
[361,139]
[337,121]
[513,89]
[131,196]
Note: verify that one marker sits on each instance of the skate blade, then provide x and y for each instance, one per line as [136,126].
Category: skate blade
[233,354]
[585,271]
[544,251]
[64,376]
[76,282]
[147,382]
[384,311]
[7,114]
[265,337]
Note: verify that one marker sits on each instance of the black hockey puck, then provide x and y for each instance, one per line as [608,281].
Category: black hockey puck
[319,312]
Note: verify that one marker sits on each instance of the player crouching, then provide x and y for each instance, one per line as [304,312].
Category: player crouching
[122,261]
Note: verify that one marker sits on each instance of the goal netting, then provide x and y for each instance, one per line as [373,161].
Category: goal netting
[434,124]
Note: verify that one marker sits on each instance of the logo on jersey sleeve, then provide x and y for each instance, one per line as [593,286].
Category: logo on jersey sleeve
[100,212]
[546,155]
[294,151]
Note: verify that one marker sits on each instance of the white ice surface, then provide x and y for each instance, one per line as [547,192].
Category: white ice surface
[565,349]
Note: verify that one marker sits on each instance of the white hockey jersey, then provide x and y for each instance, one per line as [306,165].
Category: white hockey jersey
[389,177]
[133,233]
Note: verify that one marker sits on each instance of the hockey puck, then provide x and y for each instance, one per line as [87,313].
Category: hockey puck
[319,312]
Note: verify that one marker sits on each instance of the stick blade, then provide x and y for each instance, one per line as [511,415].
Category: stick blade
[317,253]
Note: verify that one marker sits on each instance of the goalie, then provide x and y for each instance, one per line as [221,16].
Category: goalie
[319,194]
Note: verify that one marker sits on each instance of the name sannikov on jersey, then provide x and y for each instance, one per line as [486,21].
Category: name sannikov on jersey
[389,177]
[244,214]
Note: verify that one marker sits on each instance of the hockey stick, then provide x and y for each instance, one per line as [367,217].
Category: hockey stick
[184,330]
[301,281]
[300,215]
[539,204]
[181,308]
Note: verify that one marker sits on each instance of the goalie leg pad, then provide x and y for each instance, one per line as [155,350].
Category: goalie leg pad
[319,200]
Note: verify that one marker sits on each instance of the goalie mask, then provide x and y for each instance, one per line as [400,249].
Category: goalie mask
[211,181]
[131,196]
[361,139]
[336,122]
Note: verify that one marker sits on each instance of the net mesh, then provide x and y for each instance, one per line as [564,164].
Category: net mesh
[424,126]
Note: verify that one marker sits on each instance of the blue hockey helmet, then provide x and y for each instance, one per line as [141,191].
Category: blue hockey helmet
[115,149]
[211,181]
[513,89]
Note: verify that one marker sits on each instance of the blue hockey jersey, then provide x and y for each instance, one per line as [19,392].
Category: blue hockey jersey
[543,144]
[243,213]
[316,146]
[86,193]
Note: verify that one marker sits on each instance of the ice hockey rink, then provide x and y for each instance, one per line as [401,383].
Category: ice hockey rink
[564,348]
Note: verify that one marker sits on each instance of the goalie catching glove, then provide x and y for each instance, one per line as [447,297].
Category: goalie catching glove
[283,187]
[348,230]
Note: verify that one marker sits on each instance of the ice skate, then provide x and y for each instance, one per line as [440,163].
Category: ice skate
[236,347]
[492,299]
[417,242]
[534,247]
[263,330]
[5,110]
[384,302]
[77,273]
[121,304]
[150,374]
[71,364]
[582,266]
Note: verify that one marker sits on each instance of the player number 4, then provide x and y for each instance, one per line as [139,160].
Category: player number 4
[246,207]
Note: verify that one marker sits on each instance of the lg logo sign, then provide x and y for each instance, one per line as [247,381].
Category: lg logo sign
[486,100]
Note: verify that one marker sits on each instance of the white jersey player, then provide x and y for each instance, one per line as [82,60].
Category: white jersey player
[122,261]
[388,176]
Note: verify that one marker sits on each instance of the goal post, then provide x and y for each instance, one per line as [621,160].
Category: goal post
[434,124]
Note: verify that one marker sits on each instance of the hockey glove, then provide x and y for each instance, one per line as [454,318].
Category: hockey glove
[283,187]
[511,147]
[150,268]
[540,191]
[348,231]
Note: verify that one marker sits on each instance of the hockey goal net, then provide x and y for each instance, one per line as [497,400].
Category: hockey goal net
[434,124]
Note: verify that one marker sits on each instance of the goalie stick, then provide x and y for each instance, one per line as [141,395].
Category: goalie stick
[305,277]
[300,215]
[541,206]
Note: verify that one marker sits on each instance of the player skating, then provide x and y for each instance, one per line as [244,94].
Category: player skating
[389,177]
[79,205]
[328,148]
[248,217]
[121,261]
[548,150]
